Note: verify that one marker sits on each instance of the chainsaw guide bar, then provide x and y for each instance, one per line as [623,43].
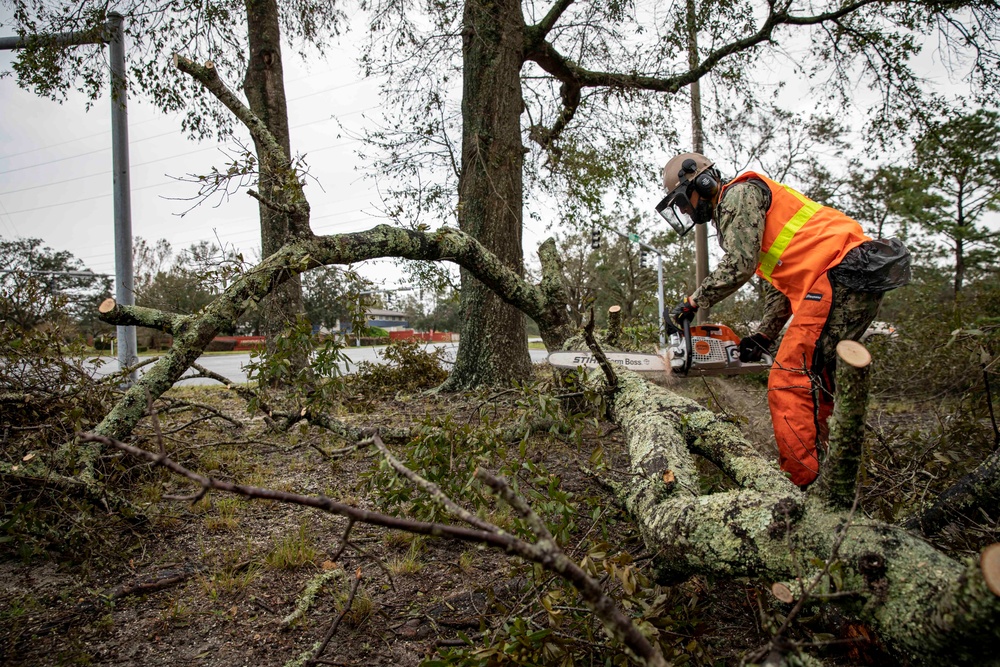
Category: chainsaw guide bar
[640,363]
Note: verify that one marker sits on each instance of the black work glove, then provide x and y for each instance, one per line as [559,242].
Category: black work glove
[683,312]
[752,348]
[668,324]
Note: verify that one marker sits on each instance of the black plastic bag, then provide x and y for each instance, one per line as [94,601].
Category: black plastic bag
[878,265]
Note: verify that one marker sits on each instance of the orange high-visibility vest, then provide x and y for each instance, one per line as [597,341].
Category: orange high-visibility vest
[802,239]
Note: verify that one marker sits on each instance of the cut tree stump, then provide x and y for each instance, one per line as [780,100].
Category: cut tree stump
[989,563]
[614,326]
[839,471]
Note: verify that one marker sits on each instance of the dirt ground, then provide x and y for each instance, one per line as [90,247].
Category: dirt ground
[211,583]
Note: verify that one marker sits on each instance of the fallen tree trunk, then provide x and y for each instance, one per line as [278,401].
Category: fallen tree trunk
[925,605]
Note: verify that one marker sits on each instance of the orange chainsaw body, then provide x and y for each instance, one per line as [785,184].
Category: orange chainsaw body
[710,349]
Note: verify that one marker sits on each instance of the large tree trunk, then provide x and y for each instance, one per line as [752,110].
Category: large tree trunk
[264,86]
[493,349]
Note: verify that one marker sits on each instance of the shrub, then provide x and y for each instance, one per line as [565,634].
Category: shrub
[408,366]
[221,345]
[47,395]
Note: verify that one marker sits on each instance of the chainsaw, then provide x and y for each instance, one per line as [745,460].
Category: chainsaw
[709,349]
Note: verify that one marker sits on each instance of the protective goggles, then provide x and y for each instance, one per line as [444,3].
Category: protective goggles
[677,209]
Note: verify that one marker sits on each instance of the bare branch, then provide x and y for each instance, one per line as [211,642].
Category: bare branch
[275,158]
[541,30]
[564,69]
[340,617]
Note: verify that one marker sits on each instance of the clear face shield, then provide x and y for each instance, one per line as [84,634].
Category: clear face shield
[677,210]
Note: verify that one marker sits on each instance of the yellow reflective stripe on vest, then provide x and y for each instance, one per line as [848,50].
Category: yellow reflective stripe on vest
[770,259]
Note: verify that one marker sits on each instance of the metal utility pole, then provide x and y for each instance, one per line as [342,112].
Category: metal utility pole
[124,277]
[114,36]
[698,141]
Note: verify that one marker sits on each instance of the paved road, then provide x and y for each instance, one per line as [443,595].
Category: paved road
[232,365]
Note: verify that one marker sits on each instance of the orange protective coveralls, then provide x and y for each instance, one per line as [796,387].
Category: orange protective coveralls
[802,241]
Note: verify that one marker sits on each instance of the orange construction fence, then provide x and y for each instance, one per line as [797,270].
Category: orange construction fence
[429,336]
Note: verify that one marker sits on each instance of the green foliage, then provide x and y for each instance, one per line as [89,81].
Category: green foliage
[444,316]
[316,385]
[331,295]
[958,157]
[184,282]
[155,31]
[557,630]
[445,452]
[938,344]
[611,274]
[408,366]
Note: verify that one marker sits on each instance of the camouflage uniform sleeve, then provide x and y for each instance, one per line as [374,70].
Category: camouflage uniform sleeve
[740,223]
[777,310]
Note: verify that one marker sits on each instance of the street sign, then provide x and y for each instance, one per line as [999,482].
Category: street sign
[634,238]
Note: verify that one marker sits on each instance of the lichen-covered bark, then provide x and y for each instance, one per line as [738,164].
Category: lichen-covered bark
[925,605]
[682,426]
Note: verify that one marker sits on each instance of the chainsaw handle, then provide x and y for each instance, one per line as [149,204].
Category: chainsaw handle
[687,346]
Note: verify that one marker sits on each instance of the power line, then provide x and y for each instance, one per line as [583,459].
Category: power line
[77,201]
[70,141]
[60,159]
[170,157]
[157,119]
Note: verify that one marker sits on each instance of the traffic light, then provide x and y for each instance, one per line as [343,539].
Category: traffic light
[642,259]
[595,239]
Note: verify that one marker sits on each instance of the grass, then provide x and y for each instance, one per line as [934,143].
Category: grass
[225,518]
[405,565]
[467,559]
[362,606]
[292,551]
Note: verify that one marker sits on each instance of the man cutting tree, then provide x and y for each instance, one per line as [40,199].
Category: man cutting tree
[818,265]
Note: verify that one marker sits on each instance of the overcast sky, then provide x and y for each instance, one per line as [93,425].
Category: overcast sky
[55,167]
[56,183]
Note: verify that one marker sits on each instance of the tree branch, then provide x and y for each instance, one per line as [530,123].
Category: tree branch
[139,316]
[595,349]
[924,604]
[547,553]
[552,61]
[541,30]
[433,490]
[274,155]
[979,489]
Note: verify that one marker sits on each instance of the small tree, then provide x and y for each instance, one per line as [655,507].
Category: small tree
[181,283]
[55,295]
[958,158]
